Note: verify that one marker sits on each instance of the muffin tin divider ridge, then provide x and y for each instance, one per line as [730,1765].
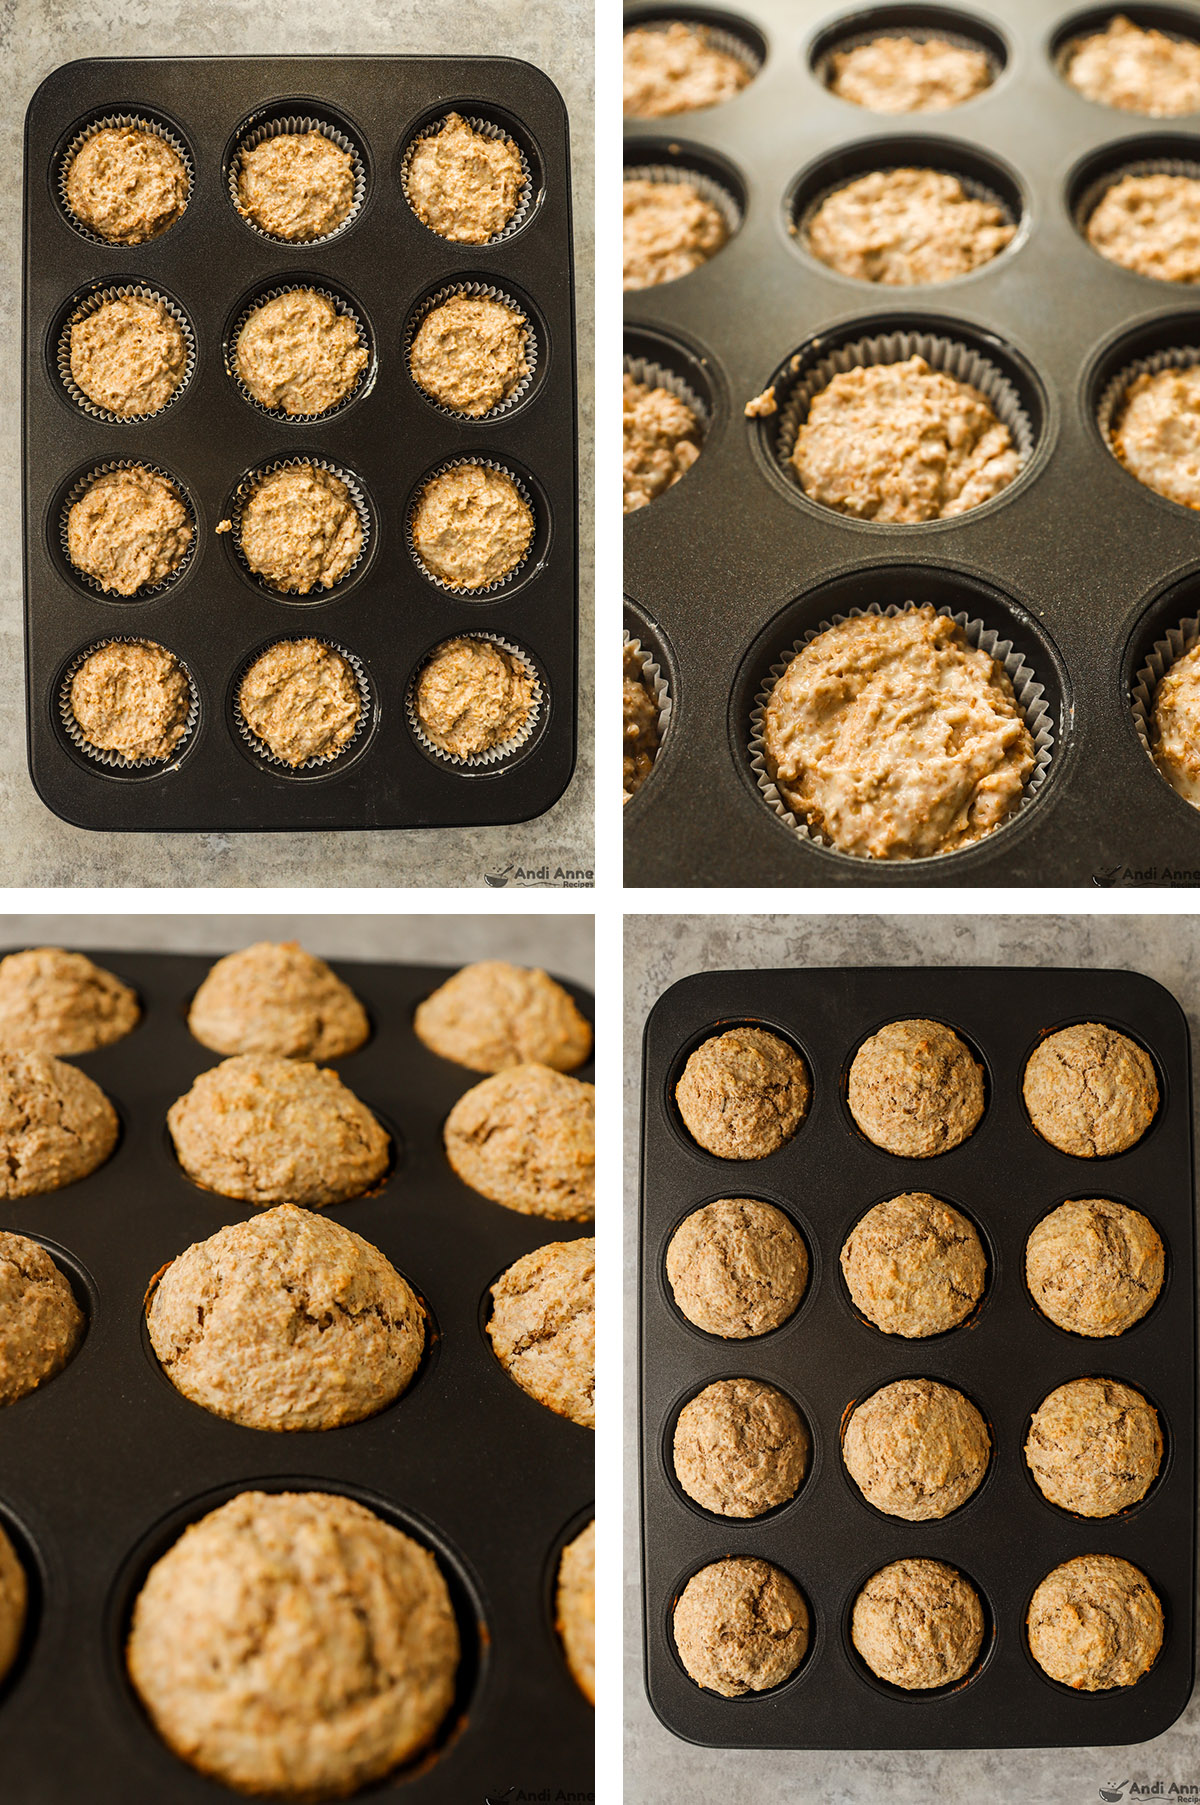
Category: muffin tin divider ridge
[1081,548]
[389,436]
[1006,1358]
[94,1461]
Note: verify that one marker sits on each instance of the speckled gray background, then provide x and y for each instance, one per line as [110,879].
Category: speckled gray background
[36,36]
[659,1768]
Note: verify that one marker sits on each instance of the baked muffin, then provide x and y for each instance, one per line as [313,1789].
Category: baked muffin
[126,184]
[741,1626]
[492,1015]
[471,526]
[473,697]
[128,356]
[916,1449]
[129,530]
[743,1094]
[1156,433]
[737,1267]
[1090,1091]
[131,697]
[288,1321]
[640,712]
[677,68]
[1094,1623]
[1175,726]
[914,1266]
[909,75]
[56,1125]
[325,1657]
[271,1130]
[543,1327]
[891,737]
[670,228]
[298,355]
[918,1624]
[1094,1267]
[661,442]
[1094,1447]
[575,1609]
[902,443]
[900,227]
[41,1325]
[464,184]
[60,1003]
[298,186]
[1150,224]
[916,1089]
[300,529]
[740,1448]
[14,1602]
[302,699]
[469,353]
[1136,70]
[276,999]
[526,1138]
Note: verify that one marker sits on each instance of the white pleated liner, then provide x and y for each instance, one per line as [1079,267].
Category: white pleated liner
[1109,407]
[1165,652]
[467,463]
[79,490]
[486,292]
[1095,192]
[495,755]
[289,128]
[920,34]
[1028,692]
[117,761]
[975,190]
[245,489]
[654,676]
[706,186]
[489,129]
[92,304]
[940,353]
[726,41]
[1067,50]
[120,122]
[259,747]
[658,376]
[341,306]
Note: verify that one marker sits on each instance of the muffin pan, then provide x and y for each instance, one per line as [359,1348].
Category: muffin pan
[1006,1357]
[382,265]
[1083,566]
[105,1464]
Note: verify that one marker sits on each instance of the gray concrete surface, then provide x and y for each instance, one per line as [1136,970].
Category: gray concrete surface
[36,848]
[660,1769]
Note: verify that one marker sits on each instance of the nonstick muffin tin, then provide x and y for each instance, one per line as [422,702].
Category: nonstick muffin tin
[102,1467]
[1006,1358]
[1081,567]
[388,438]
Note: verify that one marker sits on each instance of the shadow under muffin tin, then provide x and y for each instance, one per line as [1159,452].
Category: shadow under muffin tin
[1079,564]
[1005,1357]
[388,437]
[103,1466]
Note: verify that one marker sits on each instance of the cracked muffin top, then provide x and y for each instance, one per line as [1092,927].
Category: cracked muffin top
[56,1002]
[543,1327]
[575,1609]
[56,1125]
[41,1325]
[918,1624]
[1094,1447]
[288,1321]
[741,1626]
[1095,1622]
[914,1265]
[915,1089]
[1090,1090]
[743,1094]
[278,999]
[526,1138]
[916,1449]
[737,1267]
[740,1448]
[492,1015]
[1093,1266]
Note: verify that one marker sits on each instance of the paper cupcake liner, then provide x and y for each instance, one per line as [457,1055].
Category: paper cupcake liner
[489,129]
[1108,409]
[92,303]
[262,752]
[945,354]
[706,186]
[1066,50]
[340,305]
[658,376]
[726,41]
[1028,692]
[486,292]
[1165,652]
[241,495]
[119,122]
[283,128]
[76,493]
[652,675]
[1095,191]
[496,755]
[486,589]
[975,190]
[117,761]
[921,34]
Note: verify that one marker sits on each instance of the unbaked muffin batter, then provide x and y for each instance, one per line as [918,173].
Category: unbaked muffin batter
[126,184]
[1151,224]
[1175,726]
[909,75]
[469,353]
[473,696]
[669,229]
[128,356]
[296,352]
[128,530]
[677,69]
[900,227]
[640,711]
[1136,70]
[464,184]
[302,700]
[131,697]
[471,526]
[300,529]
[1156,433]
[662,441]
[298,186]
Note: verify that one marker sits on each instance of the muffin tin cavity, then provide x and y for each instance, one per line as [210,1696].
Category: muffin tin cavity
[1005,1538]
[117,764]
[380,267]
[761,1024]
[120,118]
[499,756]
[508,296]
[725,31]
[1172,21]
[74,489]
[1164,342]
[733,1371]
[1162,153]
[919,22]
[236,504]
[710,174]
[532,559]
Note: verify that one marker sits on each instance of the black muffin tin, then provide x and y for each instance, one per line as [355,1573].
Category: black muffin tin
[215,616]
[103,1466]
[1078,563]
[1006,1358]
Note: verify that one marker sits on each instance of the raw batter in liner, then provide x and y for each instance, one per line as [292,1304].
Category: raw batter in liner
[909,75]
[473,696]
[469,353]
[640,713]
[1151,224]
[1157,433]
[464,184]
[662,442]
[300,529]
[900,227]
[302,699]
[677,69]
[471,526]
[131,697]
[297,353]
[297,186]
[128,530]
[669,229]
[1175,726]
[1137,71]
[126,184]
[128,356]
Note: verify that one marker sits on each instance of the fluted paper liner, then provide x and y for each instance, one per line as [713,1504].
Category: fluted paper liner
[1165,652]
[489,129]
[652,675]
[241,496]
[487,292]
[340,305]
[287,128]
[1111,404]
[706,186]
[92,303]
[495,755]
[120,122]
[485,589]
[726,41]
[117,761]
[76,493]
[320,763]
